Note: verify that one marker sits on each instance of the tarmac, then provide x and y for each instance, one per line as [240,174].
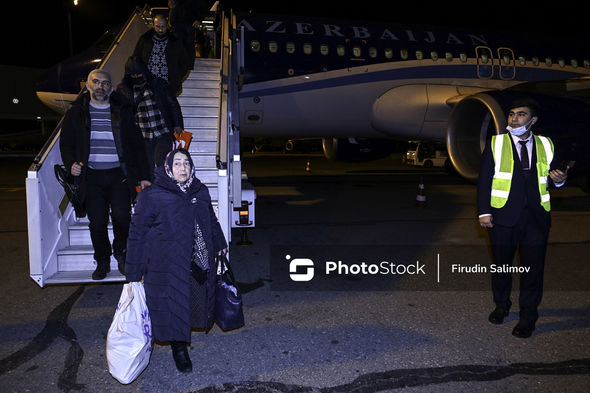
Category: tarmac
[344,333]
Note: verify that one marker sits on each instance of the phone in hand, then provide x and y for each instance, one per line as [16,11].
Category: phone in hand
[565,165]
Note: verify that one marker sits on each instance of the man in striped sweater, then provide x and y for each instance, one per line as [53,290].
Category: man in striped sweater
[100,142]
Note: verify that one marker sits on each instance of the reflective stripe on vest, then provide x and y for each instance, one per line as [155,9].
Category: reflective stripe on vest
[504,167]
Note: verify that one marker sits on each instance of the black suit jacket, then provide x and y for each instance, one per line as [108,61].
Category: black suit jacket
[522,193]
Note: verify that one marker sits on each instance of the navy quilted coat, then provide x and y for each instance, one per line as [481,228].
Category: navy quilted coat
[159,249]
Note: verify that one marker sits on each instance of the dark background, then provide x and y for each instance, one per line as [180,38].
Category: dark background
[37,32]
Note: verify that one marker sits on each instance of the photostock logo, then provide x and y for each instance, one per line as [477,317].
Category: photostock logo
[300,262]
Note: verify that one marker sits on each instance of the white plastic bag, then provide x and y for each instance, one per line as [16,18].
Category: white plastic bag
[129,340]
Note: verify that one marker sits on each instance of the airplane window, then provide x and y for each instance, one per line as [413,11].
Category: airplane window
[340,50]
[255,46]
[463,57]
[372,52]
[290,47]
[403,54]
[506,59]
[307,48]
[273,47]
[574,63]
[291,71]
[388,53]
[485,57]
[356,51]
[448,56]
[586,63]
[535,60]
[521,60]
[548,61]
[561,62]
[434,55]
[324,49]
[419,55]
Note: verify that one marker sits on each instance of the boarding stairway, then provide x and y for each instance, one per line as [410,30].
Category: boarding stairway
[60,249]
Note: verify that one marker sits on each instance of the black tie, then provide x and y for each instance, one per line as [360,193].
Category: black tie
[524,155]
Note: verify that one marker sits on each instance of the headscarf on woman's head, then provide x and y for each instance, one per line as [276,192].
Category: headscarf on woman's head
[169,162]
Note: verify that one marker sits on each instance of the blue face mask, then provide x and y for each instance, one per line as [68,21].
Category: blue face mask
[518,131]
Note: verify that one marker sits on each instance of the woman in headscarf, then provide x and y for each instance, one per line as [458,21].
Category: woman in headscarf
[173,239]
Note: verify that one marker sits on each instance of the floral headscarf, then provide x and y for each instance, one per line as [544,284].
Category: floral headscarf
[168,163]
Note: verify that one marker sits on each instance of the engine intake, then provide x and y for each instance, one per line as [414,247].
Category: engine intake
[473,120]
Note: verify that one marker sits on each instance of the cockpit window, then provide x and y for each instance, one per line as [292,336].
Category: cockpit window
[290,47]
[255,46]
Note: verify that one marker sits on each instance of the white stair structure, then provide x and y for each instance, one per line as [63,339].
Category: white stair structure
[60,249]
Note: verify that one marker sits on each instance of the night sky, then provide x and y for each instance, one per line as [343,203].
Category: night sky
[37,36]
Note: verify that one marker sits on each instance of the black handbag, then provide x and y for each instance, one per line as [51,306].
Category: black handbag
[229,313]
[71,187]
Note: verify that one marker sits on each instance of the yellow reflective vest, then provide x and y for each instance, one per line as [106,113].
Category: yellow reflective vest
[504,167]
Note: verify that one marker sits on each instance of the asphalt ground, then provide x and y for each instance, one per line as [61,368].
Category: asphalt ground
[352,333]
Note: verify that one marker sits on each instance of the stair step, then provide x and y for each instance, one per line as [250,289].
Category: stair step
[203,147]
[203,134]
[199,93]
[82,276]
[202,122]
[200,84]
[199,111]
[188,101]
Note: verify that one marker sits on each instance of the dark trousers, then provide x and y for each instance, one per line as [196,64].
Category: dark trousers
[531,240]
[156,150]
[107,190]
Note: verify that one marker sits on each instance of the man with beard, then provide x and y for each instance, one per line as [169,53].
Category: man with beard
[157,112]
[163,54]
[100,143]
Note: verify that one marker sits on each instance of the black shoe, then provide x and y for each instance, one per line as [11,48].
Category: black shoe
[181,358]
[497,316]
[102,268]
[523,329]
[121,259]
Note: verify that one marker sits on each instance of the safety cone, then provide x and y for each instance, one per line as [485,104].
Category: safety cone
[421,197]
[308,166]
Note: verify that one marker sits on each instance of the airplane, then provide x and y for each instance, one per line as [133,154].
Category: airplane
[361,85]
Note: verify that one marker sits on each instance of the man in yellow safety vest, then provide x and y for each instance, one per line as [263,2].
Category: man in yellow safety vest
[514,205]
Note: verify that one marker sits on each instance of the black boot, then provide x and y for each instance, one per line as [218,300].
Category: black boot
[121,259]
[102,268]
[180,355]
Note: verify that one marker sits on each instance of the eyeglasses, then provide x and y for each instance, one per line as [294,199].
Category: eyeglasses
[103,83]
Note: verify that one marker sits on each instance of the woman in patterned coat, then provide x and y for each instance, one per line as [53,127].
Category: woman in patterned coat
[173,239]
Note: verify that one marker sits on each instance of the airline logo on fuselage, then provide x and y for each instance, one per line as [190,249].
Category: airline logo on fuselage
[274,26]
